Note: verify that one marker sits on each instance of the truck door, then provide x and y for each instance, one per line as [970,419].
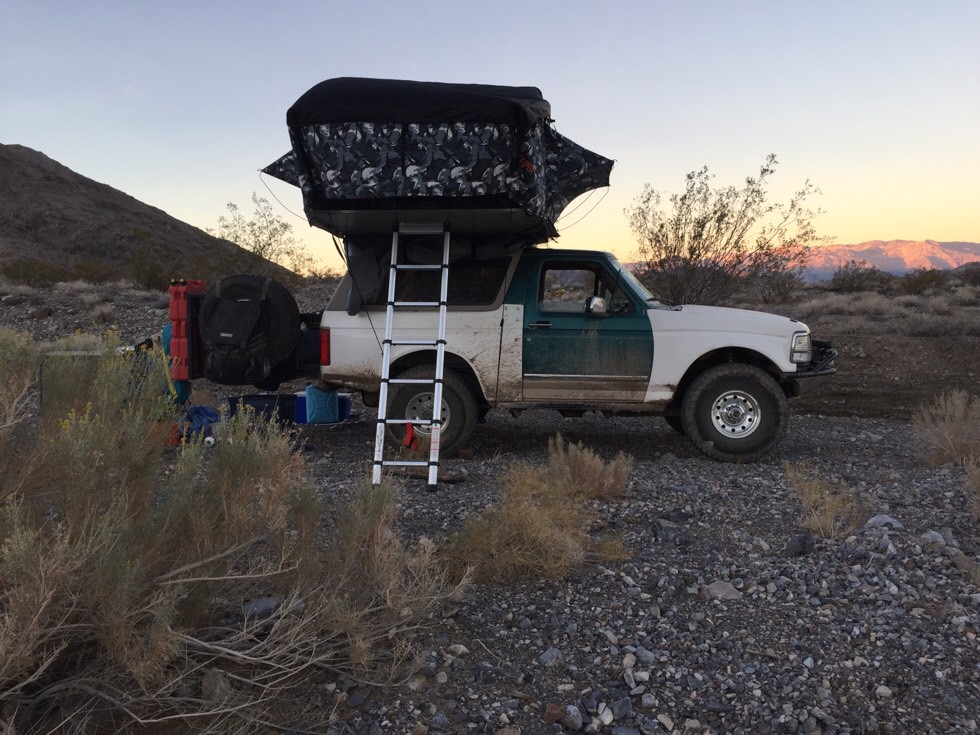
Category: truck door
[573,356]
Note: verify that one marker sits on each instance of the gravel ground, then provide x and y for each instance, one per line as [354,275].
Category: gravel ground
[727,618]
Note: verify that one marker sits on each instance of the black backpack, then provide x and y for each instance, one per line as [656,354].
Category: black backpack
[249,324]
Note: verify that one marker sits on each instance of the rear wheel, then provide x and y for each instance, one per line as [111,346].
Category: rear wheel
[735,413]
[459,408]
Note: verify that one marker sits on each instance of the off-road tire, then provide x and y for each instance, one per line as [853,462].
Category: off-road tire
[675,423]
[457,397]
[735,413]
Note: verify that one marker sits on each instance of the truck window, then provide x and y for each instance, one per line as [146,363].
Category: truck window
[471,283]
[564,288]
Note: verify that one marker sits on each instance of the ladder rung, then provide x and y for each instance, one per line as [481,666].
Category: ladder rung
[405,463]
[413,422]
[429,304]
[413,381]
[415,342]
[406,228]
[419,267]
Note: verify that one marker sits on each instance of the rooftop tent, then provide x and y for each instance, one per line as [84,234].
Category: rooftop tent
[368,153]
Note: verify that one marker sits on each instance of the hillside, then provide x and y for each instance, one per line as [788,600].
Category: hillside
[892,256]
[57,224]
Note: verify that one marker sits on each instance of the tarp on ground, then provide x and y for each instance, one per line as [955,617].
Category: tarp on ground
[368,153]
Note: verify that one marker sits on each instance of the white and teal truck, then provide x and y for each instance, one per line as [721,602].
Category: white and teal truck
[575,331]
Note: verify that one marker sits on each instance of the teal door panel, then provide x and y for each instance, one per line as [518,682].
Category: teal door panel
[571,355]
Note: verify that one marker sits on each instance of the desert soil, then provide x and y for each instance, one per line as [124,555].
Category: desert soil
[727,617]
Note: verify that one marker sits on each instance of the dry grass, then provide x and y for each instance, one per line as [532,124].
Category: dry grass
[832,510]
[949,429]
[578,467]
[140,584]
[103,313]
[540,527]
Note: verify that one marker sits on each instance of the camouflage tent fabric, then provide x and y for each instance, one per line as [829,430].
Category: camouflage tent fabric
[368,152]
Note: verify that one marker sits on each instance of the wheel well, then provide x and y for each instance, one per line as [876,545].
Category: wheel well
[452,361]
[720,357]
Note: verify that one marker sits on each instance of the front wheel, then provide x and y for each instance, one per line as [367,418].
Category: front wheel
[735,413]
[417,401]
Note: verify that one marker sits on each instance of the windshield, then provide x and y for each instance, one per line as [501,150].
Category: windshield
[632,280]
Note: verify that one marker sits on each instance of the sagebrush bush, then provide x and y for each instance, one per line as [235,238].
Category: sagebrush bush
[540,527]
[581,469]
[19,361]
[924,280]
[141,584]
[948,430]
[831,510]
[858,275]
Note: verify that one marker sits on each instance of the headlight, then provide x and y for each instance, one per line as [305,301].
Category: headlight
[800,351]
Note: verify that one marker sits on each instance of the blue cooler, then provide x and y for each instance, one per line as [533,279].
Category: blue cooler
[299,408]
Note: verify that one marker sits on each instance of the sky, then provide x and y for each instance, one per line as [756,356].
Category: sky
[179,104]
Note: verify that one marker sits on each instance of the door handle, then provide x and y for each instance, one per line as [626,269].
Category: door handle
[539,325]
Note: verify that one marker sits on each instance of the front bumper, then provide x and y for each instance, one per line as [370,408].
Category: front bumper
[820,367]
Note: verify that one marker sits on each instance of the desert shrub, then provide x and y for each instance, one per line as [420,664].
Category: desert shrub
[96,270]
[966,296]
[969,274]
[540,527]
[858,275]
[34,272]
[142,585]
[831,509]
[924,280]
[19,361]
[938,325]
[103,313]
[148,271]
[580,468]
[948,430]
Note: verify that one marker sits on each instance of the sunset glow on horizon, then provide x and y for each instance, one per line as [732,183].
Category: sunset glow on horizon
[876,103]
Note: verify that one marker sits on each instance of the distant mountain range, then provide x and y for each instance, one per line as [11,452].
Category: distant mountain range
[892,256]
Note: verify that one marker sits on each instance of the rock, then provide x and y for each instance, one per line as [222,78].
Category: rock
[933,539]
[883,692]
[666,722]
[629,661]
[572,718]
[648,701]
[551,657]
[606,717]
[799,545]
[12,300]
[668,532]
[625,730]
[553,713]
[356,698]
[722,590]
[420,728]
[440,721]
[622,708]
[458,649]
[884,521]
[41,312]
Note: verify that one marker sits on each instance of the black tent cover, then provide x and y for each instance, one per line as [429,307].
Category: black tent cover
[370,153]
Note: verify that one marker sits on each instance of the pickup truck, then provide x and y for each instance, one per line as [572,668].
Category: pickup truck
[575,331]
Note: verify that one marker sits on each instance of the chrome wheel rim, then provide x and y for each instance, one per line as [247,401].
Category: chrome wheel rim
[421,407]
[736,414]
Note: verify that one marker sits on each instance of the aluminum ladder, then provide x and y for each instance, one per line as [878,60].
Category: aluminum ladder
[439,343]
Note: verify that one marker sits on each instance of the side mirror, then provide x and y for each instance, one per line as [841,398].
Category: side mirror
[596,306]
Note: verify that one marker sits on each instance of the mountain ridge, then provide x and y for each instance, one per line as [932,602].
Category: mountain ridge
[58,224]
[892,256]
